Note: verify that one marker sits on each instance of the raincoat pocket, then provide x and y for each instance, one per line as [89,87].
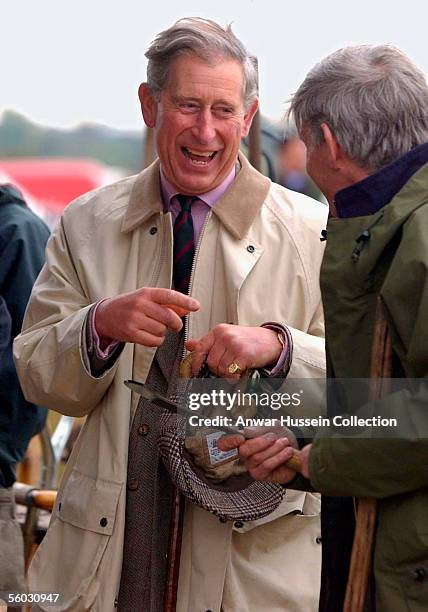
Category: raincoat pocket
[70,554]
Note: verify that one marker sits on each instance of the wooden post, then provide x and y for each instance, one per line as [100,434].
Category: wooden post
[149,149]
[254,146]
[29,469]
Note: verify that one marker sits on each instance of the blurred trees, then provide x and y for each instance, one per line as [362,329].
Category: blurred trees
[19,137]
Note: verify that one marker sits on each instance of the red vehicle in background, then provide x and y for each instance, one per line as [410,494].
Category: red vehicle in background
[49,184]
[5,179]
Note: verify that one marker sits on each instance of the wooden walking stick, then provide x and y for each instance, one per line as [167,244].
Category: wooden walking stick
[362,548]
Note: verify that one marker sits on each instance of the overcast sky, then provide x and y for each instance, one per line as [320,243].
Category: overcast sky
[67,62]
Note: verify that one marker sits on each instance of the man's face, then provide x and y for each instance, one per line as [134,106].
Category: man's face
[314,159]
[199,122]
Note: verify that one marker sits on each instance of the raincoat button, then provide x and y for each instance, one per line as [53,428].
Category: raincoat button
[153,231]
[420,574]
[251,248]
[318,539]
[144,429]
[103,522]
[238,524]
[132,484]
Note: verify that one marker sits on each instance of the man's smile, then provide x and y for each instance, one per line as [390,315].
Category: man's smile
[198,158]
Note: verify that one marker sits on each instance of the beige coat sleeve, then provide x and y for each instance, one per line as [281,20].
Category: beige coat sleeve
[50,352]
[309,349]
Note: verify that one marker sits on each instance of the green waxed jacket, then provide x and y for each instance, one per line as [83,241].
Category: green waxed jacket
[393,263]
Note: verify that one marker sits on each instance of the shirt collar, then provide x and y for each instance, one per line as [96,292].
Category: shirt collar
[236,209]
[168,190]
[375,191]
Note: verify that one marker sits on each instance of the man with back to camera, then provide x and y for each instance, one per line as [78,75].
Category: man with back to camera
[363,114]
[103,312]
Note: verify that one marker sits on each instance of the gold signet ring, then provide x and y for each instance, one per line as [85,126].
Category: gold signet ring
[234,368]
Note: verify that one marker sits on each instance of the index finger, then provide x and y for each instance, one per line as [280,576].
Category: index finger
[256,445]
[171,298]
[200,349]
[177,309]
[260,430]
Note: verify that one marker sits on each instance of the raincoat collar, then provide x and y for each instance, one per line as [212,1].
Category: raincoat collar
[236,209]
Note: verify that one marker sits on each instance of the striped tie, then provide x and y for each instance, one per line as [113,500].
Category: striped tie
[184,244]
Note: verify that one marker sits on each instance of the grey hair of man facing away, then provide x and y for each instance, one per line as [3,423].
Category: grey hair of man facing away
[374,119]
[208,41]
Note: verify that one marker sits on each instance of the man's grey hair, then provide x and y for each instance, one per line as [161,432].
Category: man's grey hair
[372,97]
[207,40]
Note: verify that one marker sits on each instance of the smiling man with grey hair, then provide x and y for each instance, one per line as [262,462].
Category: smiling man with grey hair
[243,257]
[363,115]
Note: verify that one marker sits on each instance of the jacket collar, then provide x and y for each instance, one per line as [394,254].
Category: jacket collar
[374,192]
[145,199]
[236,209]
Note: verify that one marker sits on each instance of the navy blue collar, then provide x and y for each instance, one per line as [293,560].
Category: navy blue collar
[375,191]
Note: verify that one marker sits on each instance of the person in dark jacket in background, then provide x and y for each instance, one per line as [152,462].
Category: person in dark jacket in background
[23,238]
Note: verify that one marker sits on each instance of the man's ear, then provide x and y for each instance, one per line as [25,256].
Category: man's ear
[149,106]
[334,150]
[248,118]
